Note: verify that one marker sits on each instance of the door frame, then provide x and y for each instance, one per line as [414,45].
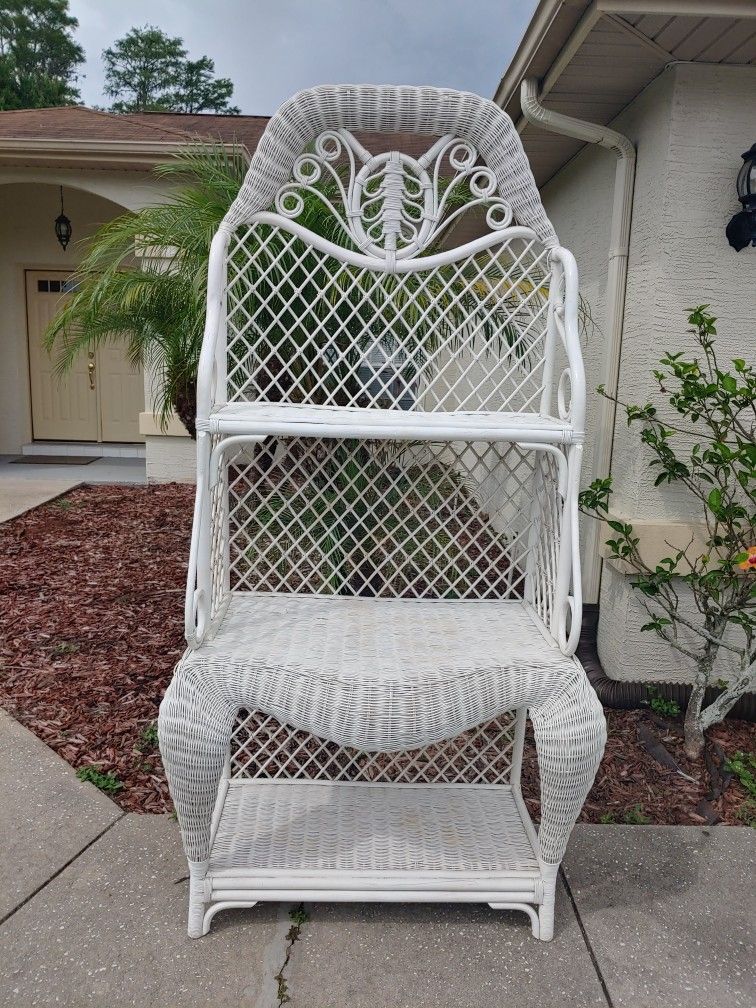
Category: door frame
[22,269]
[25,269]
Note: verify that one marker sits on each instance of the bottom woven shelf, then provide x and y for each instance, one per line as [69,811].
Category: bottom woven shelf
[328,841]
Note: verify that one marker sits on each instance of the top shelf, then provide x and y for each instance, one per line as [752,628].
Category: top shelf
[295,420]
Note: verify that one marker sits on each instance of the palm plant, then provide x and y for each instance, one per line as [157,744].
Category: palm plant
[159,310]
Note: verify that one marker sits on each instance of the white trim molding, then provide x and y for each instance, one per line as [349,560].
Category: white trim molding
[657,539]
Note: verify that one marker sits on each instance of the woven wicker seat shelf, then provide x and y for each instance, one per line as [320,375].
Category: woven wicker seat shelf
[382,675]
[294,420]
[375,842]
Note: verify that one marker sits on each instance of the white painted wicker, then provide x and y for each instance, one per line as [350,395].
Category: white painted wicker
[384,575]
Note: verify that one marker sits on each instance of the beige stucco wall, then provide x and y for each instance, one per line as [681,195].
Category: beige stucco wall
[127,189]
[27,241]
[690,127]
[171,459]
[29,204]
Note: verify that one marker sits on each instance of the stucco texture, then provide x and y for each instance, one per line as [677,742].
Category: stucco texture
[690,127]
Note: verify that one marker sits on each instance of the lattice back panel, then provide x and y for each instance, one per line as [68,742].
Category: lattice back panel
[305,327]
[388,519]
[263,747]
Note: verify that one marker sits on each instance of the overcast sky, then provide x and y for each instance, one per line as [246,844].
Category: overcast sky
[271,48]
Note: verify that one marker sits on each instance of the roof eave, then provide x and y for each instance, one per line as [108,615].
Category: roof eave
[129,154]
[586,14]
[534,35]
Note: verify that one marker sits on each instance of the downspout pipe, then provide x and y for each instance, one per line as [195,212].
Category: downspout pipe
[616,281]
[630,695]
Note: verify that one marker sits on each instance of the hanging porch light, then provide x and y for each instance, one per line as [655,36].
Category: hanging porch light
[63,229]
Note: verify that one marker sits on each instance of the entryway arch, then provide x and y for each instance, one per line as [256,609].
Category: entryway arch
[34,274]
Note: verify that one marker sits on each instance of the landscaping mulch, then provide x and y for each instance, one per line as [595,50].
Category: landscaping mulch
[91,602]
[91,625]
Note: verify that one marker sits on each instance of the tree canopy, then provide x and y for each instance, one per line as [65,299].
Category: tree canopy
[38,55]
[147,70]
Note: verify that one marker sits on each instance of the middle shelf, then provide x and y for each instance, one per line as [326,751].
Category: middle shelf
[295,420]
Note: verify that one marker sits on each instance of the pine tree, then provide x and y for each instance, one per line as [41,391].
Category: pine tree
[38,54]
[147,70]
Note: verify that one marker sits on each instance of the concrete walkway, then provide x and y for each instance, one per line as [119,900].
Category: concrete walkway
[24,486]
[21,494]
[93,914]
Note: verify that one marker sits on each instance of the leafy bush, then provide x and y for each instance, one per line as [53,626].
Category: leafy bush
[710,450]
[660,705]
[743,766]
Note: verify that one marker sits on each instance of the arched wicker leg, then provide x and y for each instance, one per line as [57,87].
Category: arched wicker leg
[570,732]
[194,729]
[546,909]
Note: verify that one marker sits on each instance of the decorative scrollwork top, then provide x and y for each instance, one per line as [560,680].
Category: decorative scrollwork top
[393,206]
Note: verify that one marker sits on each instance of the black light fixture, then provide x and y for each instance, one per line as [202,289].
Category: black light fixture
[63,229]
[741,231]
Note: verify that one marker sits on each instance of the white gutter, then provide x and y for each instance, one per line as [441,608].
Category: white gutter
[616,279]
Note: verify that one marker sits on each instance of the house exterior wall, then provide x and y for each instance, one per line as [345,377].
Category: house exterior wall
[128,190]
[171,458]
[29,204]
[27,241]
[171,455]
[690,127]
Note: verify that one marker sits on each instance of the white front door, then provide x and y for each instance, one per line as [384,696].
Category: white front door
[99,399]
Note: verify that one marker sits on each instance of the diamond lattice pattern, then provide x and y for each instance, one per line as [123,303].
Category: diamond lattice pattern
[306,327]
[388,520]
[262,747]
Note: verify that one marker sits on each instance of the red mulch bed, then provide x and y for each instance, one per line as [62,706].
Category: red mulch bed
[91,604]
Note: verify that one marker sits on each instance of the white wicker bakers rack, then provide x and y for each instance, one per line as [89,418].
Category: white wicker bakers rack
[384,576]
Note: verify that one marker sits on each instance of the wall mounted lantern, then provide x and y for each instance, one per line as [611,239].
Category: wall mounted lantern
[63,229]
[741,231]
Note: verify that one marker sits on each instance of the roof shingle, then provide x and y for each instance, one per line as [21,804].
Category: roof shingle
[77,122]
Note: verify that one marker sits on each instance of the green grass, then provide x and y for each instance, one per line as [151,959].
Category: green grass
[635,816]
[661,705]
[106,782]
[148,738]
[298,916]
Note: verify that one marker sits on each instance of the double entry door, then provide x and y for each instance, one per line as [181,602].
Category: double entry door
[99,399]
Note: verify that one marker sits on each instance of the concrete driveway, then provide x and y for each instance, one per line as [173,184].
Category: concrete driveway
[93,914]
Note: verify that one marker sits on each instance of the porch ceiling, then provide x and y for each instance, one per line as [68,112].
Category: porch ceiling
[593,57]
